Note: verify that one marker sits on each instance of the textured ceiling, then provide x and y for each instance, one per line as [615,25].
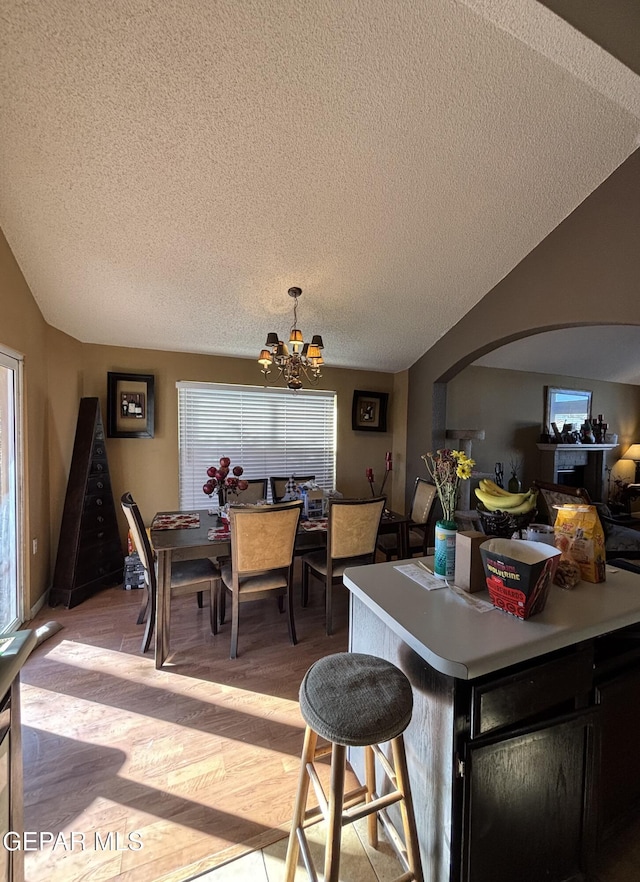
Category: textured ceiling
[170,169]
[608,352]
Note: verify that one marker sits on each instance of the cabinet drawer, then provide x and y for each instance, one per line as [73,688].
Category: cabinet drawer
[529,693]
[97,504]
[98,484]
[98,467]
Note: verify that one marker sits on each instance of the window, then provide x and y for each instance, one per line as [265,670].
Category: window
[10,482]
[269,432]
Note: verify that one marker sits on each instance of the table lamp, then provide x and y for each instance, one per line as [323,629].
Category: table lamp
[634,453]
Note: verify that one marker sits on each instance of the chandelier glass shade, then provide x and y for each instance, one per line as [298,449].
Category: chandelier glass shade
[297,359]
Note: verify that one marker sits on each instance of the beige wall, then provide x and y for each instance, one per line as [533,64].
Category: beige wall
[509,406]
[585,272]
[148,467]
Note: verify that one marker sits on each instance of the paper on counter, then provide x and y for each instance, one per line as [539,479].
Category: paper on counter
[421,576]
[477,603]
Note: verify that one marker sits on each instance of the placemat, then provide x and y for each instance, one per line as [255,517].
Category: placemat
[185,521]
[318,524]
[217,533]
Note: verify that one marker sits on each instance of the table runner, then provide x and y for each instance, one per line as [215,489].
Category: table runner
[184,521]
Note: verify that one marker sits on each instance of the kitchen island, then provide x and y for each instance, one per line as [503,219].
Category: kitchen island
[15,648]
[521,749]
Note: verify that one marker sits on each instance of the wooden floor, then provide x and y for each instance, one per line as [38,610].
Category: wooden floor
[199,760]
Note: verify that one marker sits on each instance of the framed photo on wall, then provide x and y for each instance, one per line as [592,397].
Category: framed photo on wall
[369,411]
[130,405]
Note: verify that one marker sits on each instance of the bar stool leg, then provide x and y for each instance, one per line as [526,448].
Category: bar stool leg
[406,808]
[370,781]
[334,823]
[308,751]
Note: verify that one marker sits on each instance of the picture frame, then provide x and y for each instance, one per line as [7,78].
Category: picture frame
[369,411]
[130,405]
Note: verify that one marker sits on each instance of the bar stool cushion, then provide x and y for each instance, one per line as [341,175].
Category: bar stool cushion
[355,699]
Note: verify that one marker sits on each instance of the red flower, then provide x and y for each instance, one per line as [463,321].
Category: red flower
[222,483]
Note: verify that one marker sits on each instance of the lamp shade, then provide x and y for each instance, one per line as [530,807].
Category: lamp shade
[316,340]
[295,336]
[633,453]
[272,339]
[265,357]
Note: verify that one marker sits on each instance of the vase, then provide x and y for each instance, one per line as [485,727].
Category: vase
[514,485]
[444,563]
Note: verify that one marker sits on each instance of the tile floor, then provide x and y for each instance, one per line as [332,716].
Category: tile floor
[358,863]
[619,860]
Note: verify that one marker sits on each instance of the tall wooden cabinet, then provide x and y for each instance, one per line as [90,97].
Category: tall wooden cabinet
[90,555]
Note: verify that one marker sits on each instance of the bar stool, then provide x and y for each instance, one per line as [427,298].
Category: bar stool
[353,700]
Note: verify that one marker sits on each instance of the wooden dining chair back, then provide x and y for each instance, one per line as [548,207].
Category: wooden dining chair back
[352,530]
[424,496]
[620,540]
[255,492]
[262,541]
[279,485]
[551,495]
[187,577]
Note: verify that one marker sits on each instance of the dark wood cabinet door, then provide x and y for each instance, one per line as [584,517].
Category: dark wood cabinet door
[527,800]
[619,700]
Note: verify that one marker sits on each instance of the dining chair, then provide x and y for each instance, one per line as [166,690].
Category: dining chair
[424,496]
[352,530]
[279,485]
[262,541]
[187,577]
[619,539]
[256,491]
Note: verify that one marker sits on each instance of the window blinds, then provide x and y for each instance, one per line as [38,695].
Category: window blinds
[267,431]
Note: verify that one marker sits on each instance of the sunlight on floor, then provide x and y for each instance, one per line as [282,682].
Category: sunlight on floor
[358,862]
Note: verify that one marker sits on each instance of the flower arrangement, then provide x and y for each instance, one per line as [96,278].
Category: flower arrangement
[225,484]
[388,466]
[447,468]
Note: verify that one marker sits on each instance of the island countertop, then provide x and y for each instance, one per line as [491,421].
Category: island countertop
[15,648]
[455,639]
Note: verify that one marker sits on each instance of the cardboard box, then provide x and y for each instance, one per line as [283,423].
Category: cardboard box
[313,503]
[519,574]
[469,572]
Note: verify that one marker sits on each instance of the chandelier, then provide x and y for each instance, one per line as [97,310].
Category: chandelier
[304,359]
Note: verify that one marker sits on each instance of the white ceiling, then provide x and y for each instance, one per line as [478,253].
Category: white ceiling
[607,352]
[170,169]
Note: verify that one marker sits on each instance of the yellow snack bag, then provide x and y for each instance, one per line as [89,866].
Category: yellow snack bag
[580,526]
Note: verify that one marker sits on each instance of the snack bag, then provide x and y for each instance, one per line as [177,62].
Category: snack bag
[580,525]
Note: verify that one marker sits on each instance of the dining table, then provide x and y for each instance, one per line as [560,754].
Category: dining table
[175,536]
[201,533]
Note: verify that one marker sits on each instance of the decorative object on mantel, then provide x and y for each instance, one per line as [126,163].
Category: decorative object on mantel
[388,466]
[224,484]
[447,468]
[304,360]
[499,473]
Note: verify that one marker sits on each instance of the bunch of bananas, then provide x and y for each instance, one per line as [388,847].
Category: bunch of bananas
[496,498]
